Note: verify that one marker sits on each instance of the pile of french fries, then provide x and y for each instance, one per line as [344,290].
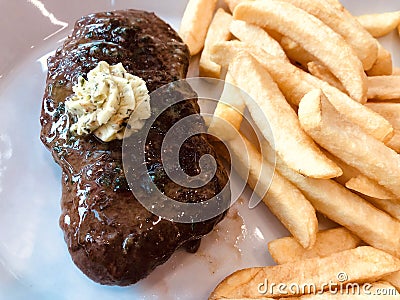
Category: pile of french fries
[331,96]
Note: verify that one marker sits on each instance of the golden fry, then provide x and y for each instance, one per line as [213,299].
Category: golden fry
[322,42]
[289,139]
[230,108]
[323,73]
[394,142]
[358,38]
[392,207]
[368,187]
[349,142]
[380,24]
[391,112]
[285,250]
[295,83]
[394,279]
[257,36]
[296,53]
[284,200]
[195,21]
[339,204]
[348,171]
[383,64]
[362,264]
[383,87]
[217,32]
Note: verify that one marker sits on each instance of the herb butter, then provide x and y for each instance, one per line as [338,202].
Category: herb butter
[104,103]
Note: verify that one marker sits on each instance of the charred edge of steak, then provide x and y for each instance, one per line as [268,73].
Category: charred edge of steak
[111,237]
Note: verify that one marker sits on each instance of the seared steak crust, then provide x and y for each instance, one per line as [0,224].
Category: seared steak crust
[111,237]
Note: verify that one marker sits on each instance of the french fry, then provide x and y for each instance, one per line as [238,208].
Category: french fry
[362,264]
[287,249]
[257,36]
[233,3]
[392,207]
[195,22]
[217,32]
[383,87]
[336,55]
[368,120]
[394,142]
[296,53]
[284,200]
[287,134]
[379,25]
[353,180]
[322,42]
[295,83]
[368,187]
[323,73]
[358,38]
[371,122]
[229,108]
[391,112]
[394,279]
[377,290]
[285,207]
[330,241]
[348,171]
[288,77]
[383,64]
[339,204]
[349,142]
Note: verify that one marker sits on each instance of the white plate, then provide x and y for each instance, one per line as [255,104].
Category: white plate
[34,261]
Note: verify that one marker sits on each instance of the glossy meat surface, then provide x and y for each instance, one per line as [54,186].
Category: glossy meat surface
[111,237]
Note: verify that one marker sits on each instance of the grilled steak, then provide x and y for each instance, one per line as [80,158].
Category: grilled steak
[111,237]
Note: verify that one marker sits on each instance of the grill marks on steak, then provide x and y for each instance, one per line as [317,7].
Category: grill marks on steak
[111,237]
